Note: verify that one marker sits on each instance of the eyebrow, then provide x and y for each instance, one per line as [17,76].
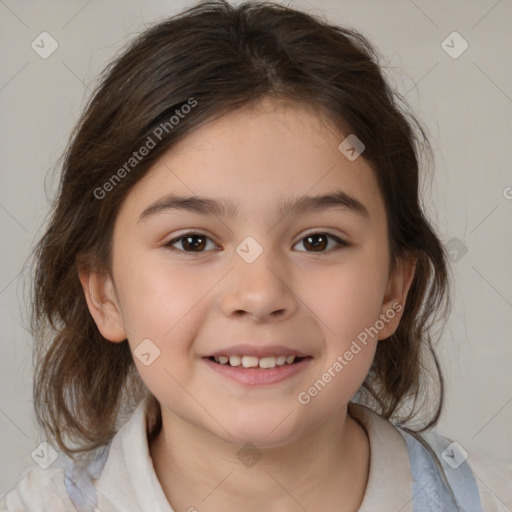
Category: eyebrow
[227,209]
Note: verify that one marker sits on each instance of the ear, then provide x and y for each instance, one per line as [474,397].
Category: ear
[103,305]
[397,288]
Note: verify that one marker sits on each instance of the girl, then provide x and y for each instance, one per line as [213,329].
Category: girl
[234,298]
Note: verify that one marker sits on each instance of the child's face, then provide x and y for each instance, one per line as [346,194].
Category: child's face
[192,305]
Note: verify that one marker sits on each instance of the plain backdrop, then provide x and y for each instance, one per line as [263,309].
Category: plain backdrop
[464,100]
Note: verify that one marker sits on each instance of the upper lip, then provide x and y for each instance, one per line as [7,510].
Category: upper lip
[258,351]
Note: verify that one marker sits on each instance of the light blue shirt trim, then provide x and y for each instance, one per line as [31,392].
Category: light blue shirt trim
[78,480]
[431,482]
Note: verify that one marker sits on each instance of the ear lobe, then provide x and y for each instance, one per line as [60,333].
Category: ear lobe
[103,305]
[397,288]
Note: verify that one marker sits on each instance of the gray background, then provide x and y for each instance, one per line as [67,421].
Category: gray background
[465,102]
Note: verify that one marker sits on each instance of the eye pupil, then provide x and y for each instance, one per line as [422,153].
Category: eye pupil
[187,239]
[316,246]
[313,242]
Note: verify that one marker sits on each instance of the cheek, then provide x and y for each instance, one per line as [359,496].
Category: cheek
[163,334]
[348,305]
[346,299]
[164,304]
[156,298]
[341,375]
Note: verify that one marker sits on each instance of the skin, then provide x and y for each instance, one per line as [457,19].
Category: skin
[314,456]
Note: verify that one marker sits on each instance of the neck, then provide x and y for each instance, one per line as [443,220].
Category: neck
[325,470]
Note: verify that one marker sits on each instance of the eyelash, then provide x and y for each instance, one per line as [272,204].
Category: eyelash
[341,243]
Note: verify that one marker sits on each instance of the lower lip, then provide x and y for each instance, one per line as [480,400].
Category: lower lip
[259,376]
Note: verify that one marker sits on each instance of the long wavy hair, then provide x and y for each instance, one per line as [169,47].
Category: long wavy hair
[223,57]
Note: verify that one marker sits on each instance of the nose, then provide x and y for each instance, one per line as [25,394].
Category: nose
[262,290]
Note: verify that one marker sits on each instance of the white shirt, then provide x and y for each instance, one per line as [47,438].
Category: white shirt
[128,482]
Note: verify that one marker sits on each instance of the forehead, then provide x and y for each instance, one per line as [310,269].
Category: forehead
[258,157]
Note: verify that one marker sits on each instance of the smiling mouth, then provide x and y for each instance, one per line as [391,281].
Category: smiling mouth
[263,363]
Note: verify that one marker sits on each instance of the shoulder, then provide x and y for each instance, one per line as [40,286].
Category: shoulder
[94,477]
[494,480]
[38,490]
[472,477]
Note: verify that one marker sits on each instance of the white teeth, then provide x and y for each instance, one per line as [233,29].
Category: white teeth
[249,361]
[254,362]
[268,362]
[235,360]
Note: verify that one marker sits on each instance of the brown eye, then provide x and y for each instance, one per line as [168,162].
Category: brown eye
[313,242]
[318,242]
[190,242]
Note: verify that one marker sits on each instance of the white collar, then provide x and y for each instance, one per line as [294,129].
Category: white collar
[129,463]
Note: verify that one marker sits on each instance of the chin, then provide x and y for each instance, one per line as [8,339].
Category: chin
[272,431]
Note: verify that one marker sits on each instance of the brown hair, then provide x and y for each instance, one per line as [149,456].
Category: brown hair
[221,57]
